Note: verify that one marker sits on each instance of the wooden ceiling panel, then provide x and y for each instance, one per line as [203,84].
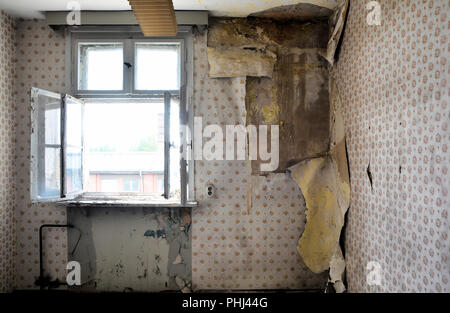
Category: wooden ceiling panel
[156,17]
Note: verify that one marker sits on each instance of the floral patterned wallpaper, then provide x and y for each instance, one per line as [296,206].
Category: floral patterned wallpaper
[393,80]
[40,63]
[7,151]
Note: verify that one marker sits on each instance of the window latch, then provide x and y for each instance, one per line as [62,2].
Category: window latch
[128,65]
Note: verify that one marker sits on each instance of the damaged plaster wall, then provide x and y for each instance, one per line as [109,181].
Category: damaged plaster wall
[245,237]
[393,80]
[295,96]
[131,249]
[300,12]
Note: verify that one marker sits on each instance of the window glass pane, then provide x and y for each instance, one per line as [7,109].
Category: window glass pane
[175,179]
[45,145]
[74,111]
[51,186]
[100,66]
[157,66]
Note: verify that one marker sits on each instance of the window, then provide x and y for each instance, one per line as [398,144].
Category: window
[157,66]
[125,141]
[119,136]
[100,66]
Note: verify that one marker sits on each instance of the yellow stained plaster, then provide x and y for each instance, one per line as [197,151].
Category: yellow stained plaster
[318,181]
[325,184]
[237,62]
[270,112]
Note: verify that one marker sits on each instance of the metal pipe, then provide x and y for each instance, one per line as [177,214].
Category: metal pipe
[40,280]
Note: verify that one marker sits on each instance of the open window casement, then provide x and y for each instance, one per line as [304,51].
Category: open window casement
[174,169]
[57,146]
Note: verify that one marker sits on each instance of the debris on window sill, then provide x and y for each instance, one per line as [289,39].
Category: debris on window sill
[127,201]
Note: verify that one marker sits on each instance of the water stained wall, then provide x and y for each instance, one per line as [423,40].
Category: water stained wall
[293,93]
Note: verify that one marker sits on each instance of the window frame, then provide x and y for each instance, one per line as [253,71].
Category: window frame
[36,145]
[130,35]
[65,193]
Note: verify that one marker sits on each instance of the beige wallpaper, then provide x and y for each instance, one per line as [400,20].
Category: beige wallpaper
[393,80]
[7,149]
[40,63]
[246,237]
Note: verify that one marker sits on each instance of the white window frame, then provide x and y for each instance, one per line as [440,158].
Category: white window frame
[36,142]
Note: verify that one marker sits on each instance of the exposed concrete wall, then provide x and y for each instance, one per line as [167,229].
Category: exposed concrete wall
[293,93]
[296,99]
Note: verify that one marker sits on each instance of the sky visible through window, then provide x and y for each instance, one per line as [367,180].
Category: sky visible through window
[124,127]
[128,137]
[101,67]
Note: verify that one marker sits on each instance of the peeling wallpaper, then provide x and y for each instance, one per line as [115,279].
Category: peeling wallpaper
[393,81]
[131,249]
[246,237]
[7,152]
[40,63]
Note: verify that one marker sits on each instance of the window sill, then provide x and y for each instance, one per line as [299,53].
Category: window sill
[127,202]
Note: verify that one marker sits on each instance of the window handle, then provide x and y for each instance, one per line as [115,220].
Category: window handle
[128,65]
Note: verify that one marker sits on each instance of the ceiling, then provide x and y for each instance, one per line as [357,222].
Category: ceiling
[237,8]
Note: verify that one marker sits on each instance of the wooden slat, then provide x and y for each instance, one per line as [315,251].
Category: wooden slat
[155,17]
